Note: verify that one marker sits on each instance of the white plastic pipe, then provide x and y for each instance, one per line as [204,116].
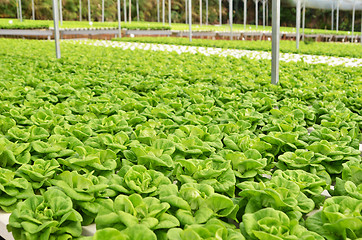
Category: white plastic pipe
[303,20]
[207,12]
[129,11]
[20,12]
[89,12]
[337,16]
[186,10]
[138,10]
[353,15]
[158,10]
[80,10]
[163,12]
[263,13]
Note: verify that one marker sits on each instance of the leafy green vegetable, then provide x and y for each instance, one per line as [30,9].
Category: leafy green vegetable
[50,216]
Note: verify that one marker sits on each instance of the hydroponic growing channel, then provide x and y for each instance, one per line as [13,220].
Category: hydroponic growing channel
[162,145]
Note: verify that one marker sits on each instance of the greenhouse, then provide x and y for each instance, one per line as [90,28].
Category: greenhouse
[180,119]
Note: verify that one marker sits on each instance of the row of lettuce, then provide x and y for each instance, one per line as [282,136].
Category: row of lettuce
[162,149]
[311,48]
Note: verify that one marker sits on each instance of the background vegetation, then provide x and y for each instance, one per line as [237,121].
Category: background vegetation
[148,12]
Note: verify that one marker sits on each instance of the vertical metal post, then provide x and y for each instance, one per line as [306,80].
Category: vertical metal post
[231,18]
[80,10]
[20,12]
[102,10]
[353,15]
[333,17]
[190,20]
[256,13]
[119,18]
[158,10]
[61,12]
[89,12]
[17,9]
[245,6]
[220,12]
[275,41]
[138,10]
[163,12]
[125,10]
[186,10]
[297,25]
[207,12]
[169,13]
[263,13]
[200,12]
[303,20]
[32,10]
[337,16]
[267,12]
[129,11]
[361,30]
[56,28]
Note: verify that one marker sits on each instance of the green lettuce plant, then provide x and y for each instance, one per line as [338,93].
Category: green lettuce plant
[50,216]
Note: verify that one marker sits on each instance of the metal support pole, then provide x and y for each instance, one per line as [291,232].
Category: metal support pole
[275,41]
[353,15]
[190,20]
[263,13]
[119,18]
[303,20]
[32,10]
[158,10]
[80,10]
[17,9]
[207,12]
[138,10]
[200,12]
[89,12]
[297,25]
[337,16]
[361,30]
[231,18]
[332,17]
[267,12]
[163,12]
[129,11]
[125,10]
[220,12]
[56,28]
[169,13]
[102,10]
[245,6]
[186,10]
[256,13]
[20,12]
[61,12]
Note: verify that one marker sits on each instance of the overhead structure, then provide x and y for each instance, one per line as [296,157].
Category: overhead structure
[344,5]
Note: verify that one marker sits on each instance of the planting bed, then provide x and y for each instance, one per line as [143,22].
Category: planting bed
[161,145]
